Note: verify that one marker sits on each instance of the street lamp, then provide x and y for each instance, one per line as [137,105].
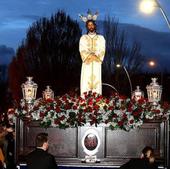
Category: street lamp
[130,82]
[147,6]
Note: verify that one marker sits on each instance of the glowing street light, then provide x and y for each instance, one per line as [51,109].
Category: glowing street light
[152,63]
[147,6]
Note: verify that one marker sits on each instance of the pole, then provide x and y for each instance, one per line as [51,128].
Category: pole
[130,82]
[106,84]
[163,14]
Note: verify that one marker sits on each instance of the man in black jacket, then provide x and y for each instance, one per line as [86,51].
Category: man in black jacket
[147,161]
[40,158]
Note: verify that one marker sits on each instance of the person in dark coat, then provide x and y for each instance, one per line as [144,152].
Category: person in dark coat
[10,141]
[40,158]
[147,161]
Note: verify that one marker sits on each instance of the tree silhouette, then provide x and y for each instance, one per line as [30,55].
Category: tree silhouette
[50,54]
[119,52]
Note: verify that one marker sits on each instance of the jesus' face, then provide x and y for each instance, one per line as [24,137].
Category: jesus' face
[91,26]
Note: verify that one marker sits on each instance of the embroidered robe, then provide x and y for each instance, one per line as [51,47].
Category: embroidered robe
[91,72]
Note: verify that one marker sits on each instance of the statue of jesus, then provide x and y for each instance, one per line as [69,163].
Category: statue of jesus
[92,51]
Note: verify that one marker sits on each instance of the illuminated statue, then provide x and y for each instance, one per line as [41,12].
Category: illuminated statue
[92,50]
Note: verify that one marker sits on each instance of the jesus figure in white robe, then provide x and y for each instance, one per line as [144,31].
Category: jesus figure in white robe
[92,51]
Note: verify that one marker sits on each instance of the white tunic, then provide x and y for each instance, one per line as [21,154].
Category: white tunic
[91,72]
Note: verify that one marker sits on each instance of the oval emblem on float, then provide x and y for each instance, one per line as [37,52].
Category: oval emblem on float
[91,142]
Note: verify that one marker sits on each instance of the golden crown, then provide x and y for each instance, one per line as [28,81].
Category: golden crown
[89,16]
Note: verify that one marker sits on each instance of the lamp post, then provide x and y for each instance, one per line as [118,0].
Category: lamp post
[147,6]
[127,74]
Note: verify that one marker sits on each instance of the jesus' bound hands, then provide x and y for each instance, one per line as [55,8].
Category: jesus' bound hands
[92,58]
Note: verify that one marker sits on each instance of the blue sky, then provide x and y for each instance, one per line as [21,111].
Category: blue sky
[17,15]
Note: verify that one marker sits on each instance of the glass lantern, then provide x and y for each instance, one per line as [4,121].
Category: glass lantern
[48,93]
[154,91]
[137,94]
[29,90]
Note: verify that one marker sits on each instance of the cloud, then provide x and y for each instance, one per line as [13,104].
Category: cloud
[30,17]
[15,24]
[18,22]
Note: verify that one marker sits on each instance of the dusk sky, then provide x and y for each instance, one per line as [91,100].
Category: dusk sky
[16,15]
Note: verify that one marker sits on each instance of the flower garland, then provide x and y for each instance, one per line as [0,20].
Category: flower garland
[117,112]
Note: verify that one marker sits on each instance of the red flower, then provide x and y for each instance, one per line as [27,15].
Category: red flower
[62,117]
[123,97]
[120,123]
[156,111]
[98,99]
[136,113]
[141,101]
[58,102]
[56,121]
[67,106]
[42,114]
[49,100]
[129,109]
[58,109]
[114,116]
[94,94]
[64,98]
[74,107]
[107,101]
[111,108]
[131,121]
[96,107]
[49,108]
[91,102]
[124,115]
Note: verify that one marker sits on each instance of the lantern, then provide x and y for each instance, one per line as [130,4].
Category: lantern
[29,90]
[137,94]
[48,93]
[154,91]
